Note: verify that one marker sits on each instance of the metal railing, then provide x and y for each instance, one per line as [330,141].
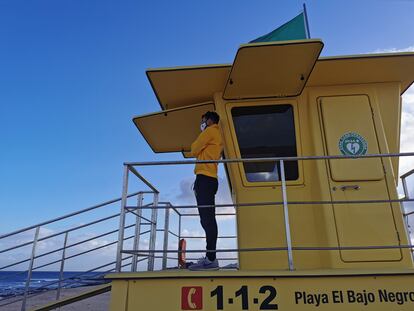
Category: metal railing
[131,167]
[407,198]
[137,254]
[138,221]
[67,245]
[156,205]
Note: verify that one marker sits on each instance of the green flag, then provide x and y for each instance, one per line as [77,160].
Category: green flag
[295,29]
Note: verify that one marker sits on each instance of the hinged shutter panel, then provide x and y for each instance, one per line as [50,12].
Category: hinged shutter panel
[276,69]
[172,130]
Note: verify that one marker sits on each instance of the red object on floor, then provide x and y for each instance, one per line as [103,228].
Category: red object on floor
[181,254]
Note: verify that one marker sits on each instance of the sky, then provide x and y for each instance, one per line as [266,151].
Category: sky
[72,76]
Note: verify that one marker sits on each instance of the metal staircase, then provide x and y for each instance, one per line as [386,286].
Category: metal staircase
[66,241]
[63,242]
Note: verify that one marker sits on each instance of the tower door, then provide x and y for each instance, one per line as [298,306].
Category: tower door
[348,129]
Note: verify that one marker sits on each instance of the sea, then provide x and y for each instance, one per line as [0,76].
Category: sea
[12,283]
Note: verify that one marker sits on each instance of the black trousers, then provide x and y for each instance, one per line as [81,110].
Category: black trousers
[205,189]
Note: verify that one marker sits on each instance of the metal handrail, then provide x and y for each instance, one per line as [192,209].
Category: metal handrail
[107,203]
[409,173]
[218,258]
[268,249]
[60,233]
[145,181]
[27,290]
[171,206]
[270,159]
[130,167]
[190,206]
[203,237]
[272,203]
[66,231]
[62,248]
[81,253]
[410,213]
[219,214]
[62,281]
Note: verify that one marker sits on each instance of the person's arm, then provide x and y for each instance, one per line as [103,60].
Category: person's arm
[200,143]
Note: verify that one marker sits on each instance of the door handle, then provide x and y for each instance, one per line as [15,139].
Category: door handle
[347,187]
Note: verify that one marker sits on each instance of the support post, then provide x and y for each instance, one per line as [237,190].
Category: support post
[153,234]
[62,265]
[406,220]
[286,216]
[118,266]
[179,237]
[140,198]
[405,188]
[29,272]
[166,234]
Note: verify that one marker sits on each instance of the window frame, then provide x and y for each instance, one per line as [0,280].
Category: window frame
[245,182]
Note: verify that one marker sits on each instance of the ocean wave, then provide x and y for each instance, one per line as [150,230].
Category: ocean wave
[14,283]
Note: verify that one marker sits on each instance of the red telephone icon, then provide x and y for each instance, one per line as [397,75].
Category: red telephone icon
[190,302]
[192,298]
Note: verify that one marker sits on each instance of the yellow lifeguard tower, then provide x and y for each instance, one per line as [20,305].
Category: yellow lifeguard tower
[311,150]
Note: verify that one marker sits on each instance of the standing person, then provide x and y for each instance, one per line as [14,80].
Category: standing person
[207,146]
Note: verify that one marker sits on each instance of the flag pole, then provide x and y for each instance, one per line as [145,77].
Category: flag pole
[305,14]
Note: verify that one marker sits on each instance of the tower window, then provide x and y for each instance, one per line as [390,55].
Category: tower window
[265,132]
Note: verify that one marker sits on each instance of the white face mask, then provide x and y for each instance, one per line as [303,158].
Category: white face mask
[203,126]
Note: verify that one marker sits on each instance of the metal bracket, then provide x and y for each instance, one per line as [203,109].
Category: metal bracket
[347,187]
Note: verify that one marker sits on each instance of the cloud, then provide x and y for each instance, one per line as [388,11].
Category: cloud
[186,196]
[407,131]
[407,120]
[192,233]
[395,50]
[81,263]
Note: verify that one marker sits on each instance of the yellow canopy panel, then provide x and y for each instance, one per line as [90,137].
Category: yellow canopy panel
[172,130]
[179,87]
[390,67]
[275,69]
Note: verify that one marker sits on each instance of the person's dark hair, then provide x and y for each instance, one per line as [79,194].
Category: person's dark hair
[213,116]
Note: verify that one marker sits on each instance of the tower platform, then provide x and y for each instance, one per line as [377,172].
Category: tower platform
[390,289]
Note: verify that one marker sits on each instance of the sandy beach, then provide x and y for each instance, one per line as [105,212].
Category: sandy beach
[100,302]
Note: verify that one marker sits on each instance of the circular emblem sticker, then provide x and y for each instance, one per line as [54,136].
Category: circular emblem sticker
[353,144]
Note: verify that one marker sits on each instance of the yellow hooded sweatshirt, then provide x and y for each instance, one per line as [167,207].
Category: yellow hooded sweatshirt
[207,146]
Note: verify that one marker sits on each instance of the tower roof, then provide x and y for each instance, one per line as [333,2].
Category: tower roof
[183,86]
